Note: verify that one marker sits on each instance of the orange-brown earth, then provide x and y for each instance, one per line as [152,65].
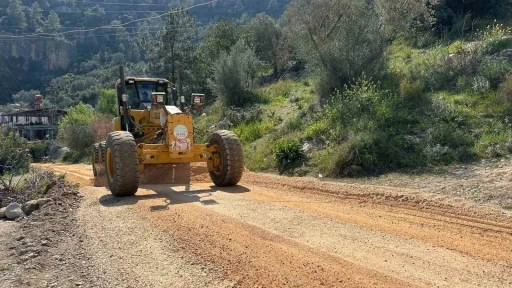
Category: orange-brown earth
[272,231]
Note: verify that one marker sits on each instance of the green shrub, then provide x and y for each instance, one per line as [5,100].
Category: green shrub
[317,130]
[495,71]
[259,156]
[495,141]
[293,124]
[480,84]
[434,69]
[505,92]
[38,150]
[493,46]
[14,160]
[237,116]
[75,157]
[464,83]
[289,154]
[75,131]
[250,132]
[411,92]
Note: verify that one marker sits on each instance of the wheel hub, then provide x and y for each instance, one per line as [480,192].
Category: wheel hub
[110,164]
[217,160]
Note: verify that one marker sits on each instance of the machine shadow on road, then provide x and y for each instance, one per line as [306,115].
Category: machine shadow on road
[171,195]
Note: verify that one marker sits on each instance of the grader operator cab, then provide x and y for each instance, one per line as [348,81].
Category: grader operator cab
[150,130]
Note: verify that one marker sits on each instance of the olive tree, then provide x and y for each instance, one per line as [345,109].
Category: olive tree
[75,131]
[340,40]
[264,36]
[234,75]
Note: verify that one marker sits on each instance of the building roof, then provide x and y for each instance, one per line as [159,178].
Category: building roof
[38,112]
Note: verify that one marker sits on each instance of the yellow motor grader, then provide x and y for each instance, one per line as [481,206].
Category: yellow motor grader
[150,130]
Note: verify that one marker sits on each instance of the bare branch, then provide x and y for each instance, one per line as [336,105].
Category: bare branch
[334,26]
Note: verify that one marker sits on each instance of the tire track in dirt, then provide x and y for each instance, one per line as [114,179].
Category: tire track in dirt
[383,253]
[459,235]
[250,255]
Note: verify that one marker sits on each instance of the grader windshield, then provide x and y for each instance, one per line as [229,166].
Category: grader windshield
[139,91]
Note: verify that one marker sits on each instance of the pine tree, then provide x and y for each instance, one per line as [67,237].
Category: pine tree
[53,23]
[36,20]
[16,15]
[173,54]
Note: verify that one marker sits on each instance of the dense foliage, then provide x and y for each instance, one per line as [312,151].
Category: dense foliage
[376,85]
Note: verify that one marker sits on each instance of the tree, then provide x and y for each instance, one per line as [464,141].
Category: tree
[173,52]
[404,17]
[107,102]
[339,39]
[222,38]
[16,14]
[26,97]
[36,17]
[264,36]
[94,16]
[75,131]
[53,23]
[234,75]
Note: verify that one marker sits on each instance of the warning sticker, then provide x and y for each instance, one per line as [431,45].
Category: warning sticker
[180,145]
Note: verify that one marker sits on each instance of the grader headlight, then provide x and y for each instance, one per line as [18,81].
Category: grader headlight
[159,98]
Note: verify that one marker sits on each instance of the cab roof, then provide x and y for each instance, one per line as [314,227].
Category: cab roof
[143,79]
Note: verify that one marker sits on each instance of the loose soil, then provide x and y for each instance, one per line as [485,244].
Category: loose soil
[273,231]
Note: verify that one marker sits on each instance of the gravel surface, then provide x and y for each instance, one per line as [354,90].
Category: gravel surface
[273,231]
[486,182]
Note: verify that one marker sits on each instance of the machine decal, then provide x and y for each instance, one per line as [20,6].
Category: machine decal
[181,143]
[180,131]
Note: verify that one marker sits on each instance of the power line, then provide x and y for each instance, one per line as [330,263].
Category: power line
[107,11]
[11,74]
[6,85]
[69,27]
[113,26]
[57,36]
[117,3]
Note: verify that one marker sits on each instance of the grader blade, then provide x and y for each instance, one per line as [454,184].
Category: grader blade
[166,174]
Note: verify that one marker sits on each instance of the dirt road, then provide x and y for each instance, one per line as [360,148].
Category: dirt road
[274,231]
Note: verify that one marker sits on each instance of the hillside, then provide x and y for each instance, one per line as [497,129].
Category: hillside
[70,39]
[391,85]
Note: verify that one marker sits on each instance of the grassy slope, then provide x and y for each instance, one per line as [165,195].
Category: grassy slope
[453,115]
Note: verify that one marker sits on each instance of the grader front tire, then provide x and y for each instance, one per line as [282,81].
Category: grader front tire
[122,164]
[228,161]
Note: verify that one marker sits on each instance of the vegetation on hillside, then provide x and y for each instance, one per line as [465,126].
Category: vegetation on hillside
[347,87]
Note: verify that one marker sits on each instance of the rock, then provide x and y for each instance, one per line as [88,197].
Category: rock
[507,54]
[20,237]
[29,207]
[2,212]
[13,211]
[307,147]
[43,201]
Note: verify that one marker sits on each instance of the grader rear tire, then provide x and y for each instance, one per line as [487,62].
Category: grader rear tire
[228,160]
[95,158]
[122,164]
